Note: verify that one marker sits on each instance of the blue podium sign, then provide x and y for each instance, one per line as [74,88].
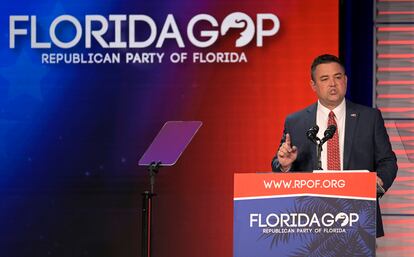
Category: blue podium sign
[304,214]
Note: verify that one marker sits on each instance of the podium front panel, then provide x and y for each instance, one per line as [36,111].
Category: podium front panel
[304,214]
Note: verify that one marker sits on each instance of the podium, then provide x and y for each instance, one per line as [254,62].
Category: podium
[304,214]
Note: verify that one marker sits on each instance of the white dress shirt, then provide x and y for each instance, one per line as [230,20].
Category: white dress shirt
[322,116]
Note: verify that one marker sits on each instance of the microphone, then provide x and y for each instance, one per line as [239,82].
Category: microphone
[329,133]
[311,134]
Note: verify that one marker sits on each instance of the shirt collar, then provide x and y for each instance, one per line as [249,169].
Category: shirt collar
[339,110]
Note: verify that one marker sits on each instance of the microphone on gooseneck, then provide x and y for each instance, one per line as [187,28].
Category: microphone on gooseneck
[311,134]
[329,133]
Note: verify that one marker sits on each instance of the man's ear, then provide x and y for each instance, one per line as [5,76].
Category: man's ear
[312,84]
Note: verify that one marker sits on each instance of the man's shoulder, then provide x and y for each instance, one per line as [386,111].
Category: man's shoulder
[361,108]
[301,113]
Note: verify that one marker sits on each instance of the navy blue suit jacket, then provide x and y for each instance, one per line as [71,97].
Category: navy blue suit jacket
[366,145]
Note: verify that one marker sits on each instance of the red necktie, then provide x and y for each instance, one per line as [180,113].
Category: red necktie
[334,161]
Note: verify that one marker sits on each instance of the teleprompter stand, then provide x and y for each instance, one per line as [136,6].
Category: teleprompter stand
[164,150]
[147,210]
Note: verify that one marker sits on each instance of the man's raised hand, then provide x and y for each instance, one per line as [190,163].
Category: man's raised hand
[287,154]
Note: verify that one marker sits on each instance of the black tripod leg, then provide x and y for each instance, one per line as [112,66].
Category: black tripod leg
[146,224]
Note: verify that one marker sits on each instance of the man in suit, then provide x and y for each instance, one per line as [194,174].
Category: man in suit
[360,142]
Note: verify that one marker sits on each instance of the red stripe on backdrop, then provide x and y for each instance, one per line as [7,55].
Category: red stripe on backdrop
[396,109]
[384,69]
[399,125]
[401,138]
[400,251]
[397,56]
[399,96]
[383,29]
[396,207]
[401,235]
[399,221]
[404,165]
[402,179]
[403,151]
[396,82]
[396,42]
[400,192]
[395,12]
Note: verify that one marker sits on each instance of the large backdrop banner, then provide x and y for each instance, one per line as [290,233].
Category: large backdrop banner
[86,85]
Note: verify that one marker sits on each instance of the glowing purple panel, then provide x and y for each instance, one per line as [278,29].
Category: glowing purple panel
[170,142]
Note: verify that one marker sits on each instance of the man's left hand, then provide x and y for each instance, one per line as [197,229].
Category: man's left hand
[379,181]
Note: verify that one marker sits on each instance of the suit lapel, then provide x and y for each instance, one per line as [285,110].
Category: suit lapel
[352,117]
[311,121]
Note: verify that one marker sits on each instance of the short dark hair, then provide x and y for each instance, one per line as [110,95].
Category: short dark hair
[325,58]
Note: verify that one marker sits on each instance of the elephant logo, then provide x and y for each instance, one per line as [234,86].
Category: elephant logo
[342,217]
[239,20]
